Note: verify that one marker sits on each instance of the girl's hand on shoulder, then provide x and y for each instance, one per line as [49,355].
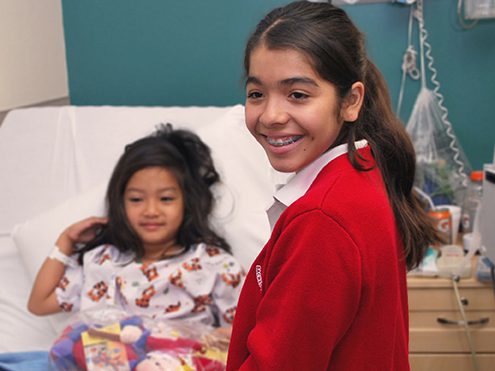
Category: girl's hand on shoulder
[82,231]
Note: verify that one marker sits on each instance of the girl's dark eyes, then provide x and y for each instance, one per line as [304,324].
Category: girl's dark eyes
[298,95]
[254,95]
[140,199]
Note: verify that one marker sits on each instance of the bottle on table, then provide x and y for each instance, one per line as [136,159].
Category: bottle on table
[472,201]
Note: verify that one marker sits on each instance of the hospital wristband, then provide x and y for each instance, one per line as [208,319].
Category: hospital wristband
[56,254]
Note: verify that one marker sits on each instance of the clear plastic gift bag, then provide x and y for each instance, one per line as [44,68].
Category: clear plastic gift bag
[442,166]
[107,338]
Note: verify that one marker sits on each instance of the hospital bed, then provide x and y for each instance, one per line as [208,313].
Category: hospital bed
[55,163]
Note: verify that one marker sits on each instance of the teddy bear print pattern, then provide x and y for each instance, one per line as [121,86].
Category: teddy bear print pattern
[203,283]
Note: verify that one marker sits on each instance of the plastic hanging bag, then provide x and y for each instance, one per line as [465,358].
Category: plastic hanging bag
[442,166]
[108,338]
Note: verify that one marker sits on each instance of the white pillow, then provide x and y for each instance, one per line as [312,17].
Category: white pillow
[36,237]
[242,198]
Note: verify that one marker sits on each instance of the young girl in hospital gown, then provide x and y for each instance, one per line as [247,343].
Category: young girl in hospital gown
[155,254]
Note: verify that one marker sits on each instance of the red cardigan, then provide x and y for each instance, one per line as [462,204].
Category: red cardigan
[328,291]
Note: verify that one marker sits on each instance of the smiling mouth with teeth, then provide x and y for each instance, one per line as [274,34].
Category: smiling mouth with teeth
[280,142]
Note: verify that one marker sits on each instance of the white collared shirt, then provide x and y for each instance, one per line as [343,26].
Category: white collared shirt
[300,182]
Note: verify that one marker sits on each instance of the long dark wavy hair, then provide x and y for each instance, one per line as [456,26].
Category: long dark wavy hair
[336,48]
[189,159]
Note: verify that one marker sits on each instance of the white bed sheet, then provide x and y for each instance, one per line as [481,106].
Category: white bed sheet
[15,321]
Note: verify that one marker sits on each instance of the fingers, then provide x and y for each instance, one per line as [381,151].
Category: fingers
[88,223]
[84,230]
[93,221]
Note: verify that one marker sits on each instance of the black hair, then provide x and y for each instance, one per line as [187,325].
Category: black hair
[337,50]
[185,155]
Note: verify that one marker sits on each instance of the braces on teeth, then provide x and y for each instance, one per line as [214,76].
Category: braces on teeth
[283,142]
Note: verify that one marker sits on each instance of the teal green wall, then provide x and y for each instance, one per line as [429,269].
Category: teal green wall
[176,52]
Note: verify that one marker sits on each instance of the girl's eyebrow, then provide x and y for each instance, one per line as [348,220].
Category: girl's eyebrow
[172,188]
[133,190]
[289,81]
[298,80]
[252,80]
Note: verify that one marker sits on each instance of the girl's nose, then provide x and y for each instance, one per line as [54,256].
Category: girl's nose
[274,113]
[151,209]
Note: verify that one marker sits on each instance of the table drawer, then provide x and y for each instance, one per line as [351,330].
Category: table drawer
[429,319]
[428,340]
[478,298]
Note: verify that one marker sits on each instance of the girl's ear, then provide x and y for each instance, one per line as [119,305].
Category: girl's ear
[352,102]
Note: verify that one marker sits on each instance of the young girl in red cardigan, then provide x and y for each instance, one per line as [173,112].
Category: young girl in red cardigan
[328,291]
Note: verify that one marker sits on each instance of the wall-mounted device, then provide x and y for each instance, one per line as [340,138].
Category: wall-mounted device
[479,9]
[488,212]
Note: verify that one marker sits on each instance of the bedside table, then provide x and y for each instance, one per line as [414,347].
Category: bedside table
[436,343]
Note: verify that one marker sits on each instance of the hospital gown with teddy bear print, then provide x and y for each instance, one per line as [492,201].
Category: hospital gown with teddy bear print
[201,284]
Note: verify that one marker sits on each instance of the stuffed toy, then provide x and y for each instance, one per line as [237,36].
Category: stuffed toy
[134,347]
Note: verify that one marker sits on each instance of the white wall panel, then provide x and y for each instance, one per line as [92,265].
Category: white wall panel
[32,53]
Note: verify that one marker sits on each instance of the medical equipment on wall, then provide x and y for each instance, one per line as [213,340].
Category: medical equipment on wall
[474,10]
[442,166]
[479,9]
